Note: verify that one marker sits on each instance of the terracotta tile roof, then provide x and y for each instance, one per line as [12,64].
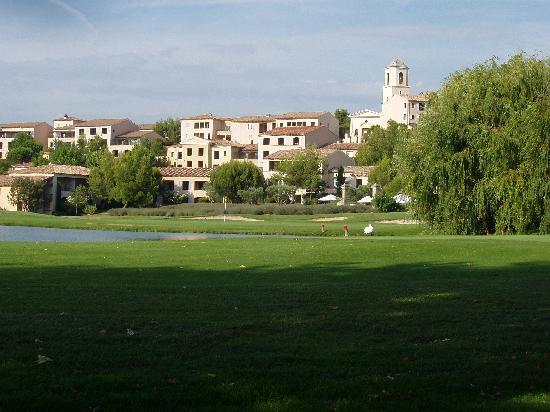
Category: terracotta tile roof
[417,98]
[250,148]
[63,128]
[139,134]
[288,154]
[101,122]
[67,118]
[22,125]
[51,169]
[256,119]
[146,126]
[207,116]
[366,112]
[185,171]
[301,115]
[343,146]
[7,180]
[356,170]
[222,142]
[292,131]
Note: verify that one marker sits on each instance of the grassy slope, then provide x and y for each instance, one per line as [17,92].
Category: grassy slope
[295,225]
[419,323]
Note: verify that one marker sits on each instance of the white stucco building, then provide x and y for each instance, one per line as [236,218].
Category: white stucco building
[398,104]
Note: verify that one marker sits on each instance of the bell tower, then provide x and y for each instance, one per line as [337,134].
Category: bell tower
[396,80]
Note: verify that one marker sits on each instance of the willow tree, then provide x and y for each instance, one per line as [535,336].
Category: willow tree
[479,161]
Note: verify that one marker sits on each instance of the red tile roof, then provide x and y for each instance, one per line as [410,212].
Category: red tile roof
[185,171]
[292,131]
[222,142]
[51,169]
[139,134]
[343,146]
[288,154]
[22,125]
[256,119]
[7,180]
[102,122]
[207,116]
[301,115]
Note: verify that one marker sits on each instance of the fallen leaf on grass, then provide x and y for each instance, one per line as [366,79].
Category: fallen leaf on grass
[41,359]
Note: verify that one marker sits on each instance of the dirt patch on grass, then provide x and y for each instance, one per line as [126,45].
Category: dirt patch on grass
[330,219]
[399,222]
[227,217]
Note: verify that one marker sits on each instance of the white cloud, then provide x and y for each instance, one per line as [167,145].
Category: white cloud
[75,12]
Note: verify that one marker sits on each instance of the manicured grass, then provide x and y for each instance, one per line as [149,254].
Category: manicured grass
[403,323]
[303,225]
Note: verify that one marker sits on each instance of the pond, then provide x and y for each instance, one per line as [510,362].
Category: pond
[43,234]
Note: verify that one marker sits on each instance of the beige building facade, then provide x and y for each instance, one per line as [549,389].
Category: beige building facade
[40,131]
[204,126]
[186,181]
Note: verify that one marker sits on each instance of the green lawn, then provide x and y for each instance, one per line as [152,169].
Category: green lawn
[303,225]
[415,323]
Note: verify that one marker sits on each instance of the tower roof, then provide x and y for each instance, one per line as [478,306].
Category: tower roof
[398,63]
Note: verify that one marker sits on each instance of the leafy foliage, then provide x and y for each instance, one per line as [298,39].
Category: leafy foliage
[343,117]
[480,159]
[78,198]
[23,148]
[252,196]
[68,154]
[170,129]
[227,179]
[4,166]
[340,180]
[26,194]
[101,181]
[137,181]
[381,142]
[303,170]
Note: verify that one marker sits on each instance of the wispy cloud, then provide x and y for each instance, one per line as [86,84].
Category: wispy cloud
[75,12]
[194,3]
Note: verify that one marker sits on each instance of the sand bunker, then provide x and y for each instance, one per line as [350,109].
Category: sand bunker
[227,217]
[330,219]
[399,222]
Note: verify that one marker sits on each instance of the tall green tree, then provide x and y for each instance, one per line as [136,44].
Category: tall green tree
[137,180]
[65,153]
[340,180]
[480,159]
[170,129]
[381,142]
[23,148]
[101,181]
[227,179]
[26,194]
[304,170]
[343,117]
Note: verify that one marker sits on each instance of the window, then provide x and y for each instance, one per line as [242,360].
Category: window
[170,185]
[207,125]
[272,166]
[288,124]
[412,117]
[189,163]
[201,151]
[185,185]
[405,116]
[293,123]
[266,140]
[400,77]
[249,126]
[201,163]
[413,105]
[2,144]
[216,154]
[266,153]
[189,151]
[208,136]
[180,155]
[115,153]
[280,124]
[388,79]
[93,131]
[405,105]
[421,106]
[196,125]
[359,182]
[313,123]
[273,125]
[199,185]
[296,141]
[103,130]
[281,141]
[201,125]
[225,153]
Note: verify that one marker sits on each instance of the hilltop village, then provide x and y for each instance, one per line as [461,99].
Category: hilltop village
[208,141]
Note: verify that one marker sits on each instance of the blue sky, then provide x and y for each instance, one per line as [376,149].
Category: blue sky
[152,59]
